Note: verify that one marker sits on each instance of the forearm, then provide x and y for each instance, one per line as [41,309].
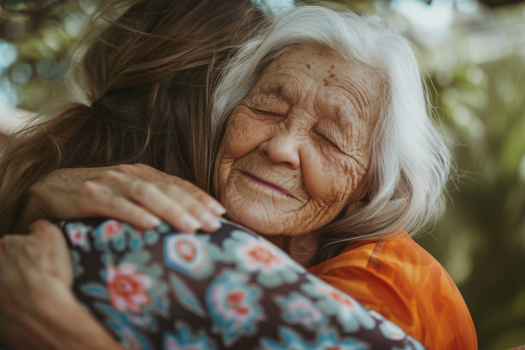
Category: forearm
[54,319]
[37,307]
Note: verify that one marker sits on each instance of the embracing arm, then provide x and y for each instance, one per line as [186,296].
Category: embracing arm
[37,308]
[55,322]
[137,194]
[269,304]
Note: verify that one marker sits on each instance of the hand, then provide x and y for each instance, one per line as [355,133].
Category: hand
[137,194]
[37,308]
[32,262]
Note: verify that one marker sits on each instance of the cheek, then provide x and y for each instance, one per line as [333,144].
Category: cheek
[329,178]
[243,135]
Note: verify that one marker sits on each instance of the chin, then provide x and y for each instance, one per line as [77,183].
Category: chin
[255,216]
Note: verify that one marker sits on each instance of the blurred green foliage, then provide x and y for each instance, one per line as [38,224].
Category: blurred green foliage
[42,36]
[480,237]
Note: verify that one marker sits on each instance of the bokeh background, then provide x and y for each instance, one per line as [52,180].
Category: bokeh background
[472,55]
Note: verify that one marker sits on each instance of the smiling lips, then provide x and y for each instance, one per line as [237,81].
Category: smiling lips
[267,185]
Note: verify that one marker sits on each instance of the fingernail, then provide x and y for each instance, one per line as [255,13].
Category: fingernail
[210,220]
[190,222]
[151,220]
[217,208]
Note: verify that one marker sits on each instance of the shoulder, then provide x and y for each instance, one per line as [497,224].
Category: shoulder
[402,281]
[397,261]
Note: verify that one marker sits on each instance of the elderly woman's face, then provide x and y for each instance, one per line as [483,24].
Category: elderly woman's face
[296,148]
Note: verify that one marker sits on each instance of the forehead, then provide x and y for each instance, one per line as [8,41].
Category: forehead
[312,73]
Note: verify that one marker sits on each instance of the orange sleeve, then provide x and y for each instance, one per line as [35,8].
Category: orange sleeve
[401,281]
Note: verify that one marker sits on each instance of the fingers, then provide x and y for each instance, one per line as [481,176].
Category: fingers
[194,207]
[137,202]
[50,236]
[142,196]
[203,197]
[171,203]
[47,229]
[163,180]
[35,261]
[157,202]
[99,202]
[54,254]
[141,171]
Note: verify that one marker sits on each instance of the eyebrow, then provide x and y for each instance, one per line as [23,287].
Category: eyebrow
[336,110]
[273,89]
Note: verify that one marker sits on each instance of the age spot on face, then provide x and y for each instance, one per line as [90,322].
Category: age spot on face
[332,66]
[322,177]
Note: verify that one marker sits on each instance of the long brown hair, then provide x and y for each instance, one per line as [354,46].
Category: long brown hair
[148,73]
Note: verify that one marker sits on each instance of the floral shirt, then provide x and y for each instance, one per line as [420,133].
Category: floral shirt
[160,289]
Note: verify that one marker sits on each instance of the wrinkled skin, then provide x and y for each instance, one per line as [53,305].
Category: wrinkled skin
[296,149]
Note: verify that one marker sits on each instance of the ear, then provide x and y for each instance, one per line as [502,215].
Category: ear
[359,197]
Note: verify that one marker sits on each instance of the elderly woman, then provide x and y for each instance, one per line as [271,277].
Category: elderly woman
[322,138]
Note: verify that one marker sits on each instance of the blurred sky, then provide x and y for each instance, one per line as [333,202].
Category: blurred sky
[434,20]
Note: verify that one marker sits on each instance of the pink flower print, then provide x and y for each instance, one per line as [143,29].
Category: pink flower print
[298,309]
[111,228]
[350,314]
[259,256]
[341,298]
[127,287]
[186,250]
[77,234]
[256,255]
[233,305]
[236,301]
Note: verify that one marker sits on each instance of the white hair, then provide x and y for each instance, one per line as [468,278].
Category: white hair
[410,162]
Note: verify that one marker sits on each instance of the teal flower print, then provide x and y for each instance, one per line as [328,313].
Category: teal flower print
[333,302]
[325,340]
[298,309]
[193,255]
[234,306]
[254,254]
[185,339]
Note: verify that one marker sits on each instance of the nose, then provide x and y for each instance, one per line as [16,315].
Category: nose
[282,148]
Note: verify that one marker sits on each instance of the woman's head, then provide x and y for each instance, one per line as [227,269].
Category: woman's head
[397,160]
[148,69]
[296,147]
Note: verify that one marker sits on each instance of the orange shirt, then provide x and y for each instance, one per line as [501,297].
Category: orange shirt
[404,283]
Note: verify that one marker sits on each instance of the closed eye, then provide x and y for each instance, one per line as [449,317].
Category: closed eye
[330,142]
[265,113]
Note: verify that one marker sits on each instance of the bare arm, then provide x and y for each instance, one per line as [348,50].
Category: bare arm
[137,194]
[37,308]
